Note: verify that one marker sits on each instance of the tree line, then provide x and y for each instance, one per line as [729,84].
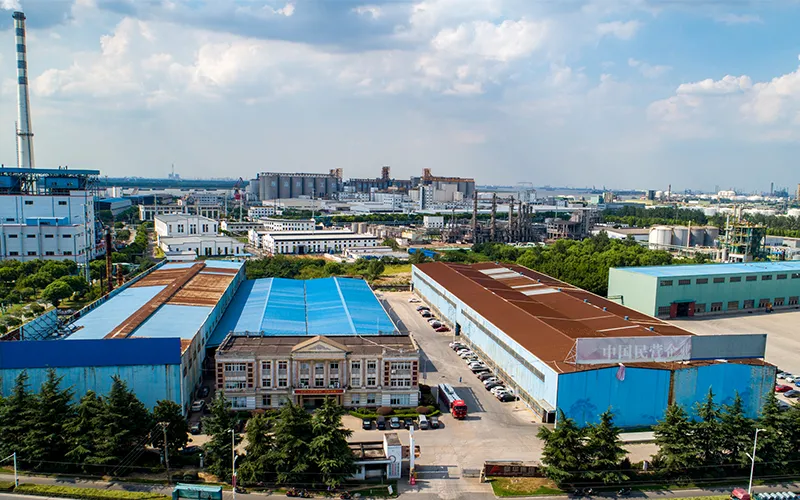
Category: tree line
[281,266]
[289,447]
[712,443]
[108,434]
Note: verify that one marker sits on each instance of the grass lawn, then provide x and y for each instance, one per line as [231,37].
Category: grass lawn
[523,486]
[392,269]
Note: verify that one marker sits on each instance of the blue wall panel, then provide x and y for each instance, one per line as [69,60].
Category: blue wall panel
[753,383]
[69,353]
[640,399]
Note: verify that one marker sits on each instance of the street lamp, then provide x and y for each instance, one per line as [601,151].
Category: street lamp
[233,462]
[753,463]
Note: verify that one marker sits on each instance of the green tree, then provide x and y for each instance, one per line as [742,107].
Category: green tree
[257,466]
[564,453]
[735,432]
[219,425]
[37,281]
[15,416]
[375,269]
[56,291]
[169,413]
[674,437]
[708,431]
[293,430]
[773,445]
[328,449]
[83,430]
[391,242]
[97,269]
[47,439]
[605,451]
[78,284]
[125,424]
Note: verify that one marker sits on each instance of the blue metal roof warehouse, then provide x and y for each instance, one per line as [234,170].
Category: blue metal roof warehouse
[326,306]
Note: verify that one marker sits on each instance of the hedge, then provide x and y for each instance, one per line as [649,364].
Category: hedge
[6,485]
[86,493]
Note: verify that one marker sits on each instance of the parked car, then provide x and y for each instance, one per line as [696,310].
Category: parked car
[797,383]
[778,388]
[507,398]
[485,375]
[472,364]
[423,422]
[492,384]
[443,328]
[480,369]
[191,450]
[366,424]
[435,324]
[464,354]
[497,389]
[394,422]
[408,423]
[432,319]
[426,314]
[455,345]
[423,308]
[791,394]
[381,423]
[433,422]
[196,428]
[782,375]
[204,391]
[198,405]
[413,300]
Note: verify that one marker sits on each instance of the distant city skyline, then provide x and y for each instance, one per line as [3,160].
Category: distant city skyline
[635,94]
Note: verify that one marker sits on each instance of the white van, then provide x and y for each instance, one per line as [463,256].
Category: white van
[423,422]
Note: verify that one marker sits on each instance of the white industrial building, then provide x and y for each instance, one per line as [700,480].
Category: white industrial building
[261,211]
[279,225]
[179,233]
[148,212]
[305,242]
[240,226]
[433,221]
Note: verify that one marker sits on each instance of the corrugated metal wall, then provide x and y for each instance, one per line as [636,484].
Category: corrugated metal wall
[638,400]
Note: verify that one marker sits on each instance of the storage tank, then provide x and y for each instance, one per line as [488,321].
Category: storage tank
[712,235]
[793,212]
[297,187]
[308,187]
[269,187]
[697,237]
[660,237]
[680,236]
[284,187]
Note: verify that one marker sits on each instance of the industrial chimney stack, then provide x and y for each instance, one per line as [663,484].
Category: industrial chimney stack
[24,132]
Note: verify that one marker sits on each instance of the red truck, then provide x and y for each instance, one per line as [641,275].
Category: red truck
[449,397]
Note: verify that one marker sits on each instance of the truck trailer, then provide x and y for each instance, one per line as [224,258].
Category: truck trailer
[450,398]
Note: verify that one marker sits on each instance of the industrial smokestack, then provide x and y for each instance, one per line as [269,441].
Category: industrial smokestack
[24,131]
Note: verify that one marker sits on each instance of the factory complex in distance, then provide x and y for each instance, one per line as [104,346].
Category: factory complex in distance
[563,348]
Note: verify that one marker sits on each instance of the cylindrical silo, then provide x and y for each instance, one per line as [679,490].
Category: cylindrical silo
[284,186]
[322,187]
[680,236]
[297,187]
[270,187]
[712,235]
[660,237]
[697,237]
[308,187]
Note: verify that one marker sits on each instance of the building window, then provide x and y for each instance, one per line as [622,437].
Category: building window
[735,279]
[684,282]
[751,278]
[400,400]
[62,203]
[792,301]
[370,399]
[66,236]
[13,235]
[235,367]
[305,370]
[180,228]
[31,236]
[67,252]
[663,311]
[733,305]
[701,281]
[49,253]
[9,219]
[763,303]
[235,385]
[716,306]
[699,308]
[29,202]
[13,254]
[266,381]
[766,277]
[266,368]
[778,301]
[49,236]
[31,253]
[355,380]
[748,304]
[781,276]
[266,401]
[666,283]
[795,276]
[719,280]
[334,368]
[355,399]
[239,403]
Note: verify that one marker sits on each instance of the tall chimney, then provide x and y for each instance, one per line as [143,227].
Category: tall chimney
[24,132]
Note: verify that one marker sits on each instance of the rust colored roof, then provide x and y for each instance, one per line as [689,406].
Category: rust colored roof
[204,289]
[542,314]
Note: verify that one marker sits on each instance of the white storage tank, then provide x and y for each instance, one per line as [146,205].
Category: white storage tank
[660,237]
[712,234]
[697,238]
[680,236]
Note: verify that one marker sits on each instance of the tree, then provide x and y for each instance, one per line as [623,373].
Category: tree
[707,431]
[674,438]
[56,291]
[564,453]
[328,449]
[15,416]
[773,445]
[293,430]
[47,439]
[125,424]
[169,413]
[257,466]
[375,269]
[391,242]
[78,284]
[83,429]
[219,426]
[605,451]
[735,432]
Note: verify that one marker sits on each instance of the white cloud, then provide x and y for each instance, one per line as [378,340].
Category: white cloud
[649,70]
[506,41]
[739,19]
[727,85]
[623,30]
[10,5]
[369,10]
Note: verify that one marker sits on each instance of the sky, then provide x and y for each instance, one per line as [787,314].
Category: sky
[639,94]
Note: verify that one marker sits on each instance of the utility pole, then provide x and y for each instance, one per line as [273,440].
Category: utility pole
[164,426]
[233,462]
[753,462]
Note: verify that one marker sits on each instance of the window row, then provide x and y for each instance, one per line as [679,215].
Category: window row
[731,279]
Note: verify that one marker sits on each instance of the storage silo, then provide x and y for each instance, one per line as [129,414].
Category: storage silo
[697,236]
[321,190]
[660,237]
[284,187]
[680,236]
[712,235]
[270,187]
[308,186]
[297,187]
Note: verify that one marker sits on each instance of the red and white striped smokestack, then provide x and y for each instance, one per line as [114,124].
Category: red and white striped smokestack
[24,131]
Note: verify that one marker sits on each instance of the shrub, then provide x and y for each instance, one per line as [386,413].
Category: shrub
[385,410]
[423,410]
[48,490]
[36,308]
[6,485]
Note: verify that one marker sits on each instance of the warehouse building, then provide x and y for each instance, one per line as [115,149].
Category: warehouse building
[152,333]
[302,341]
[563,348]
[706,289]
[305,242]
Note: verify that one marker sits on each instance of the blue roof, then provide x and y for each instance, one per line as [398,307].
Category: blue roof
[113,200]
[715,269]
[172,320]
[99,322]
[326,306]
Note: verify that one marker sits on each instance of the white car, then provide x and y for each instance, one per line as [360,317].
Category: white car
[782,375]
[790,379]
[413,300]
[466,354]
[473,364]
[490,380]
[198,405]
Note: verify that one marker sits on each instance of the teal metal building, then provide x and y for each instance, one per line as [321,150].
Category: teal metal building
[706,289]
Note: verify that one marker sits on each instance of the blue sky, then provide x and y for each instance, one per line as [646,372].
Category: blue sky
[622,93]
